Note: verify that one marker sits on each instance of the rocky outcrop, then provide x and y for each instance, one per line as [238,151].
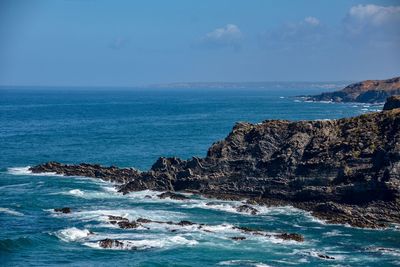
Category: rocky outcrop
[370,91]
[343,171]
[392,103]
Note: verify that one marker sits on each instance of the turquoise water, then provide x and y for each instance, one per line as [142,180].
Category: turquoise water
[132,129]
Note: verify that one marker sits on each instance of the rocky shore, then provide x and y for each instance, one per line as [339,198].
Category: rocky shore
[344,171]
[369,91]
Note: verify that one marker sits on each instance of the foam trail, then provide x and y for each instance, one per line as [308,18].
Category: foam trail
[10,211]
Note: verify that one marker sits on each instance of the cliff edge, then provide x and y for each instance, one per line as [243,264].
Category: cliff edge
[369,91]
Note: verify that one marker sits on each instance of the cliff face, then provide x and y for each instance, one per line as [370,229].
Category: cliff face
[370,91]
[345,171]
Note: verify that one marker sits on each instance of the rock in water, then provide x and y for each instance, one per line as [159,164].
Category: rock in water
[110,243]
[63,210]
[172,195]
[291,236]
[247,209]
[344,171]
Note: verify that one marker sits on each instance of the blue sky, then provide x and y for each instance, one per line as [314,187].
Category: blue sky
[125,43]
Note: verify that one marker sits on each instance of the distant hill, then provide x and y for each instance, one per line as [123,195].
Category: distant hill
[369,91]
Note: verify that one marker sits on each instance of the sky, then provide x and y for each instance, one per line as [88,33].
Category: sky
[130,43]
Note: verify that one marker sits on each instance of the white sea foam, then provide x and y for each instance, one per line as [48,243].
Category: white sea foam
[73,234]
[386,251]
[243,263]
[166,242]
[26,171]
[101,215]
[335,233]
[10,211]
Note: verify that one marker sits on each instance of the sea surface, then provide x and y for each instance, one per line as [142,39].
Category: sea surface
[132,128]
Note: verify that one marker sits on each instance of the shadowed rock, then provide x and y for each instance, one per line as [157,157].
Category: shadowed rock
[392,103]
[369,91]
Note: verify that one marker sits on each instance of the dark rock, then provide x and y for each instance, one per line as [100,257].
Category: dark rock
[143,220]
[370,91]
[185,223]
[110,243]
[172,195]
[128,225]
[290,236]
[392,103]
[63,210]
[238,238]
[325,257]
[117,218]
[247,209]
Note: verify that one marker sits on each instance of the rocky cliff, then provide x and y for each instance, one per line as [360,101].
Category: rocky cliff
[370,91]
[344,171]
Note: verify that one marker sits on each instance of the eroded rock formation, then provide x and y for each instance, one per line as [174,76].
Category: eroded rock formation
[344,171]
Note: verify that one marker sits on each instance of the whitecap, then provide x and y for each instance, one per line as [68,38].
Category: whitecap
[11,211]
[26,171]
[73,234]
[243,263]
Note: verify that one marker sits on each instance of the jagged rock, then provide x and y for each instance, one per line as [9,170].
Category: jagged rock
[63,210]
[392,103]
[247,209]
[370,91]
[128,224]
[143,220]
[110,243]
[173,196]
[185,223]
[238,238]
[343,171]
[117,218]
[291,236]
[325,257]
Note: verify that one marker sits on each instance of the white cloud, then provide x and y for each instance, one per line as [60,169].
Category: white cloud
[312,21]
[375,15]
[228,36]
[373,21]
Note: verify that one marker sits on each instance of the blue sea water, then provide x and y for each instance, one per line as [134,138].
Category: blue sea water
[132,128]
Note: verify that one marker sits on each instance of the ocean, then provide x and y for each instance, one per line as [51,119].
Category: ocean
[132,128]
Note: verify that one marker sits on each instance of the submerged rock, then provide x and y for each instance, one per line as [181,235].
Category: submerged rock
[63,210]
[290,236]
[172,195]
[238,238]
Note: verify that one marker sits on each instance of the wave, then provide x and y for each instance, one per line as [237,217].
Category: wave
[73,234]
[26,171]
[10,211]
[243,263]
[101,215]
